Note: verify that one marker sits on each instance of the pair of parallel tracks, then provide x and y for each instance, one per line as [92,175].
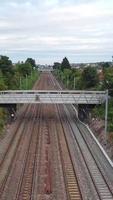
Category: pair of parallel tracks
[4,184]
[70,176]
[26,181]
[25,188]
[104,191]
[28,114]
[102,188]
[25,185]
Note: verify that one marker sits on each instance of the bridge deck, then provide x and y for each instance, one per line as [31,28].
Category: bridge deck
[52,96]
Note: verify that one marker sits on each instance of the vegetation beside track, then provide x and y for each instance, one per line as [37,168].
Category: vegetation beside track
[21,75]
[28,82]
[3,118]
[88,78]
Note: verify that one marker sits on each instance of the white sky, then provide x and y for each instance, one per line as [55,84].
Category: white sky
[48,30]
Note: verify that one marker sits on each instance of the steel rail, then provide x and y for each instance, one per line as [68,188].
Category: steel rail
[92,177]
[3,183]
[26,179]
[79,193]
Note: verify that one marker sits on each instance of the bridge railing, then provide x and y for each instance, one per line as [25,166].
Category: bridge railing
[52,96]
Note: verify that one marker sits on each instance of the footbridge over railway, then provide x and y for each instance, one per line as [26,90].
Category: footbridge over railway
[84,100]
[52,97]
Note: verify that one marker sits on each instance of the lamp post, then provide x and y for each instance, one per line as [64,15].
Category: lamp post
[74,83]
[20,82]
[26,81]
[31,74]
[106,112]
[67,81]
[62,77]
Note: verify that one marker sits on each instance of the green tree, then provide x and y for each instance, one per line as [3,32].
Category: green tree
[65,64]
[6,65]
[108,79]
[7,70]
[105,65]
[89,77]
[56,65]
[2,82]
[24,69]
[31,62]
[15,83]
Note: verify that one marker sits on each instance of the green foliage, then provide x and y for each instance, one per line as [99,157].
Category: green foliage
[65,64]
[105,65]
[7,70]
[107,84]
[110,127]
[18,76]
[108,79]
[15,81]
[89,77]
[99,111]
[56,65]
[6,65]
[28,81]
[71,78]
[31,62]
[24,69]
[79,79]
[2,82]
[3,117]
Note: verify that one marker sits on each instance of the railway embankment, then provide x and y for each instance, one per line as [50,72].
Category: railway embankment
[96,124]
[97,127]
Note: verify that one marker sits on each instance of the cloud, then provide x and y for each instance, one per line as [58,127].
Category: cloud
[83,27]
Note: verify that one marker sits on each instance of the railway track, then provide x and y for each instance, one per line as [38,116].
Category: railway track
[25,116]
[11,180]
[105,191]
[44,160]
[4,162]
[23,113]
[70,176]
[25,186]
[18,129]
[100,184]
